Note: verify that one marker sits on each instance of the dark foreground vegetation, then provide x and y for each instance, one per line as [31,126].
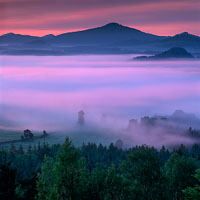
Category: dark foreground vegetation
[96,172]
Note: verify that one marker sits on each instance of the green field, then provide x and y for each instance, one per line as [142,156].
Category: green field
[6,135]
[78,136]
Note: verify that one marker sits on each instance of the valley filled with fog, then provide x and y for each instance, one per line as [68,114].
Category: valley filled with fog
[48,92]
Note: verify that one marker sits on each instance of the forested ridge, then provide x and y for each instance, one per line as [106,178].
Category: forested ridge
[97,172]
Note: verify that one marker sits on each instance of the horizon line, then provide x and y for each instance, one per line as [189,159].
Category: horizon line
[89,28]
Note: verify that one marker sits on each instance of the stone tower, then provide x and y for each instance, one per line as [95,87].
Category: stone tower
[81,119]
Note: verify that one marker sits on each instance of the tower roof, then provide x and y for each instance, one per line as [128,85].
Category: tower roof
[81,112]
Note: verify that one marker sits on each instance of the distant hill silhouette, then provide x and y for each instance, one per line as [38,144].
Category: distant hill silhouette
[179,114]
[182,40]
[173,53]
[48,36]
[108,39]
[107,34]
[188,119]
[11,38]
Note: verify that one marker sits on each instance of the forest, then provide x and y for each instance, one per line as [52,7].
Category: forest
[97,172]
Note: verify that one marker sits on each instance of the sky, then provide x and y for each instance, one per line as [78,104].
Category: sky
[42,17]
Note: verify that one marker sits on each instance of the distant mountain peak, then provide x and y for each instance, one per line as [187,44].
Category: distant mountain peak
[8,34]
[118,27]
[49,36]
[184,33]
[113,25]
[175,49]
[181,114]
[173,53]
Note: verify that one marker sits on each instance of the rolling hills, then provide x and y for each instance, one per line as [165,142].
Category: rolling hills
[112,38]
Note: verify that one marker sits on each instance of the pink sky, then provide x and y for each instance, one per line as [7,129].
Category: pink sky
[41,17]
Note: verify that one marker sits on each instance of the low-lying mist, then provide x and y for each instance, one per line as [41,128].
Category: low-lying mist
[47,92]
[155,131]
[164,131]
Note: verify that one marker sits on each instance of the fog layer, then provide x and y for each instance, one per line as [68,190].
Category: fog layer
[47,93]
